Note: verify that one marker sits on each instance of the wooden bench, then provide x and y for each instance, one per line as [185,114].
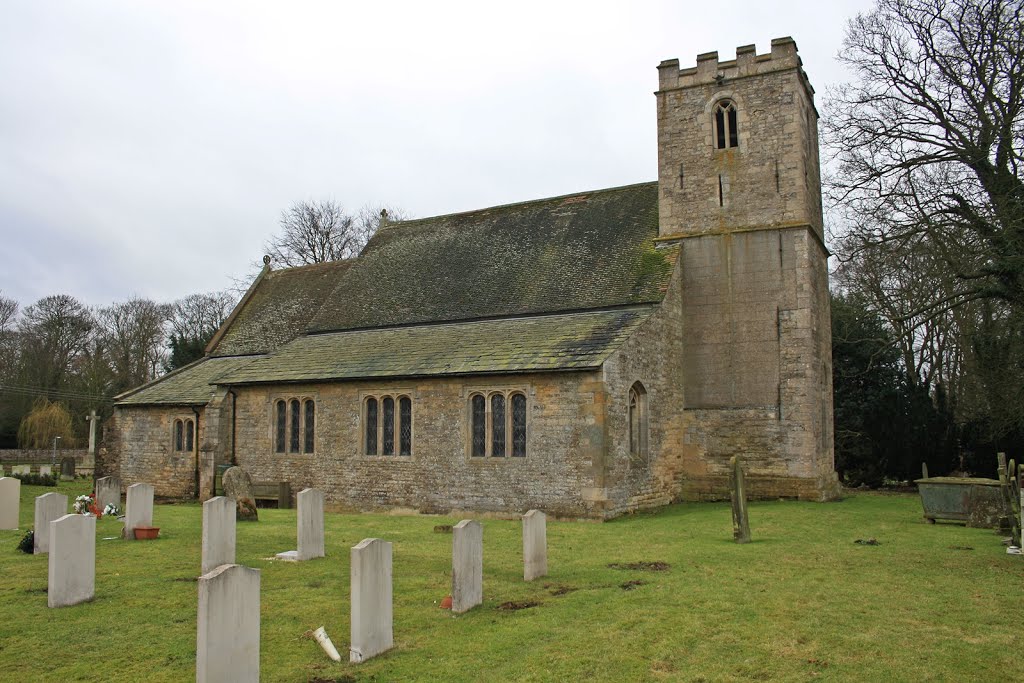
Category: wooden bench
[277,491]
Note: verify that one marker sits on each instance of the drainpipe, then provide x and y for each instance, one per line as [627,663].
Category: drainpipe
[234,407]
[195,449]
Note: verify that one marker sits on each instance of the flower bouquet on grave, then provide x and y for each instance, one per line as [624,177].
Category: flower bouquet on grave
[86,505]
[112,509]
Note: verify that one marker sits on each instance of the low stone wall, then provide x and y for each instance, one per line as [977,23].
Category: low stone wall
[26,456]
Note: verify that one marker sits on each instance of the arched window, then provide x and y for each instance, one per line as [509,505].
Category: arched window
[726,132]
[184,437]
[294,425]
[387,428]
[638,420]
[497,424]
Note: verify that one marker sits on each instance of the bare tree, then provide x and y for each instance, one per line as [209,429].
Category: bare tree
[192,323]
[322,231]
[929,140]
[133,337]
[54,333]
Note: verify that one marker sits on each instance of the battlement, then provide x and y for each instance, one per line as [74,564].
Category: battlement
[747,63]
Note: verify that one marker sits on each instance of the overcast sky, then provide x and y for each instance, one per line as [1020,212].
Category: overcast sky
[148,148]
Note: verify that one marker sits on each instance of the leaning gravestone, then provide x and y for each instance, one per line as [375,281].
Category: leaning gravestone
[467,565]
[67,468]
[535,545]
[138,509]
[371,608]
[72,568]
[740,522]
[108,492]
[10,499]
[238,485]
[218,533]
[49,506]
[228,632]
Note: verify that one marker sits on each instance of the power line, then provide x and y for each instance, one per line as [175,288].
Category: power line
[55,393]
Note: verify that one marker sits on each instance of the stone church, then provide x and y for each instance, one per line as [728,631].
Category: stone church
[588,355]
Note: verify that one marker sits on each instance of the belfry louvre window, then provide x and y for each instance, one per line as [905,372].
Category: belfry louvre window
[726,132]
[387,425]
[294,425]
[184,435]
[497,424]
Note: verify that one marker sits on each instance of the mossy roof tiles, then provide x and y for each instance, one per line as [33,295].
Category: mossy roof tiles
[586,251]
[573,341]
[190,385]
[279,308]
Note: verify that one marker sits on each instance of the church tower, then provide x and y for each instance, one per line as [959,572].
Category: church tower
[740,194]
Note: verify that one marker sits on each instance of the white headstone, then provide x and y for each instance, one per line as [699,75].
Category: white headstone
[218,533]
[21,469]
[72,574]
[467,565]
[108,491]
[45,470]
[371,627]
[535,545]
[10,500]
[138,509]
[228,633]
[49,506]
[311,524]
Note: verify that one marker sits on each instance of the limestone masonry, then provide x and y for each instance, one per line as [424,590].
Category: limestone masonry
[585,355]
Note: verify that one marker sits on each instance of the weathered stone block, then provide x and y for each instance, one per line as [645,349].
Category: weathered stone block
[371,600]
[467,565]
[72,561]
[49,506]
[228,633]
[238,486]
[10,502]
[138,509]
[535,545]
[218,533]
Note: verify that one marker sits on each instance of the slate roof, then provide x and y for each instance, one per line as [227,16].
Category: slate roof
[585,251]
[572,341]
[279,308]
[189,385]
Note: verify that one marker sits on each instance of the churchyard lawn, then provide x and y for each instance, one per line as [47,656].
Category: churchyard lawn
[802,601]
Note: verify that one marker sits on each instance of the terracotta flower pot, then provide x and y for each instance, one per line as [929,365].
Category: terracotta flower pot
[447,602]
[146,533]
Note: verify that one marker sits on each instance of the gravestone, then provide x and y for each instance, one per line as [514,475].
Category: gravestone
[21,469]
[10,499]
[138,509]
[535,545]
[228,632]
[218,533]
[67,468]
[924,470]
[310,524]
[467,565]
[72,568]
[740,522]
[237,485]
[108,491]
[49,506]
[371,609]
[45,470]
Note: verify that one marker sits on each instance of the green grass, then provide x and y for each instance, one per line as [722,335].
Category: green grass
[800,602]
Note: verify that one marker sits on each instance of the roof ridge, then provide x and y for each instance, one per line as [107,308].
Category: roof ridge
[412,221]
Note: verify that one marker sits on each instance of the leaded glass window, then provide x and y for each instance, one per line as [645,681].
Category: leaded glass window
[498,425]
[479,425]
[405,426]
[726,132]
[178,435]
[310,432]
[293,442]
[637,420]
[371,426]
[190,428]
[280,432]
[518,426]
[387,446]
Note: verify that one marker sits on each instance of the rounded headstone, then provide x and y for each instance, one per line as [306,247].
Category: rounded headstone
[238,486]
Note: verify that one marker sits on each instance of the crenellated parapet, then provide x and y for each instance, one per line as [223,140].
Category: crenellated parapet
[710,70]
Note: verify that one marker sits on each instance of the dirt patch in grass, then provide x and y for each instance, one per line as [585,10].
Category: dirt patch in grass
[188,579]
[867,541]
[960,547]
[630,585]
[513,605]
[443,529]
[344,678]
[36,590]
[557,590]
[642,566]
